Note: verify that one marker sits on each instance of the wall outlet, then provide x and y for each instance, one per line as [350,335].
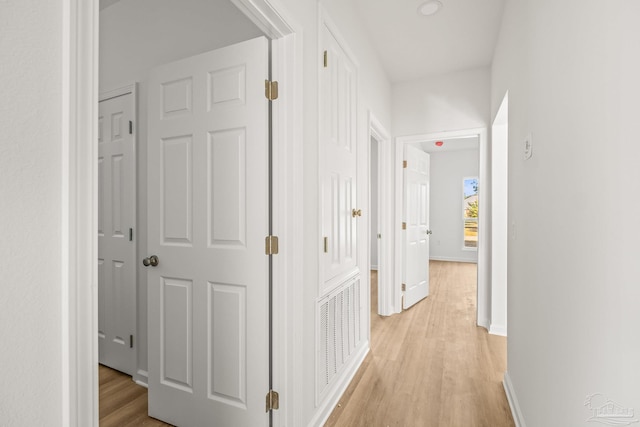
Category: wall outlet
[528,147]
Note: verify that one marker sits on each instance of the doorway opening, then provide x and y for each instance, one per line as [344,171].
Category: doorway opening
[449,141]
[380,220]
[80,379]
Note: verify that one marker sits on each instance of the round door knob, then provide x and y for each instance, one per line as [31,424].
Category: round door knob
[356,212]
[150,261]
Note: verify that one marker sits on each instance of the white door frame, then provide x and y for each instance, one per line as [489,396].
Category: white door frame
[385,215]
[484,267]
[79,244]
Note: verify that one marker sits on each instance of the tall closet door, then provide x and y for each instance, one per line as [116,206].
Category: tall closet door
[338,154]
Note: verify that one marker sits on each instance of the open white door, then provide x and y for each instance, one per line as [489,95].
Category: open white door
[116,246]
[208,218]
[416,235]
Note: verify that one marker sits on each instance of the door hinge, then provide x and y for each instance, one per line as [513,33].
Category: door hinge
[130,127]
[131,234]
[326,245]
[325,59]
[271,245]
[130,341]
[271,90]
[404,287]
[273,400]
[404,164]
[404,225]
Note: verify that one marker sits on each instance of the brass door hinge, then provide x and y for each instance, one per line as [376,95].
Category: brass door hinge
[404,287]
[326,245]
[271,90]
[130,341]
[273,400]
[326,61]
[404,164]
[404,225]
[271,245]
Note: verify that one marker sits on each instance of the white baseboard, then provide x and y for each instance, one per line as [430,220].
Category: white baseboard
[484,323]
[498,330]
[518,419]
[142,378]
[324,410]
[374,267]
[452,259]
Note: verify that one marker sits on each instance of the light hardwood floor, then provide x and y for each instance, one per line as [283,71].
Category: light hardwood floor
[123,403]
[430,366]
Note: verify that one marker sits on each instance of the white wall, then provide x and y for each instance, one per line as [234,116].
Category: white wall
[135,37]
[571,69]
[454,101]
[30,213]
[448,169]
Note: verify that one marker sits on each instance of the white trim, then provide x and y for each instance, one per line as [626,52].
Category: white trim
[79,385]
[287,225]
[114,93]
[452,259]
[268,15]
[499,214]
[385,214]
[516,412]
[79,247]
[483,220]
[498,330]
[331,399]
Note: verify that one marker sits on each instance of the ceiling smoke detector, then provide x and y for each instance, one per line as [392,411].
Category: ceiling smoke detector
[429,8]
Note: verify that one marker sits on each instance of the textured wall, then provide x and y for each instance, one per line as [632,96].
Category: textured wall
[30,212]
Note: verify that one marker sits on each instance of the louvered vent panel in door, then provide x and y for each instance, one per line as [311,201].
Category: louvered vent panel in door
[339,335]
[339,329]
[323,357]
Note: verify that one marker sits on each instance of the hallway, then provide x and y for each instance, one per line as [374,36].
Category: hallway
[430,366]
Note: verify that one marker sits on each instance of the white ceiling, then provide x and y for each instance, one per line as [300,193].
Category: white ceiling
[462,35]
[452,144]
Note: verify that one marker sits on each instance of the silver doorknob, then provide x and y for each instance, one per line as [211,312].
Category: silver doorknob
[429,232]
[151,261]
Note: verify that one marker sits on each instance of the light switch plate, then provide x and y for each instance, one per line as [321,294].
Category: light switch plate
[528,147]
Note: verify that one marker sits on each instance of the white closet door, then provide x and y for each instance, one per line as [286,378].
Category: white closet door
[338,95]
[416,197]
[116,247]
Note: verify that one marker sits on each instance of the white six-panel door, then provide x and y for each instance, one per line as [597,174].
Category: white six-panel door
[208,213]
[116,247]
[416,199]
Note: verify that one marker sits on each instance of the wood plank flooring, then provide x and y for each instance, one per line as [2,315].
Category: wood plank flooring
[430,366]
[123,403]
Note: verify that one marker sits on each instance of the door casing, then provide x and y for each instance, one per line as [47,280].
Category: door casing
[484,268]
[79,385]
